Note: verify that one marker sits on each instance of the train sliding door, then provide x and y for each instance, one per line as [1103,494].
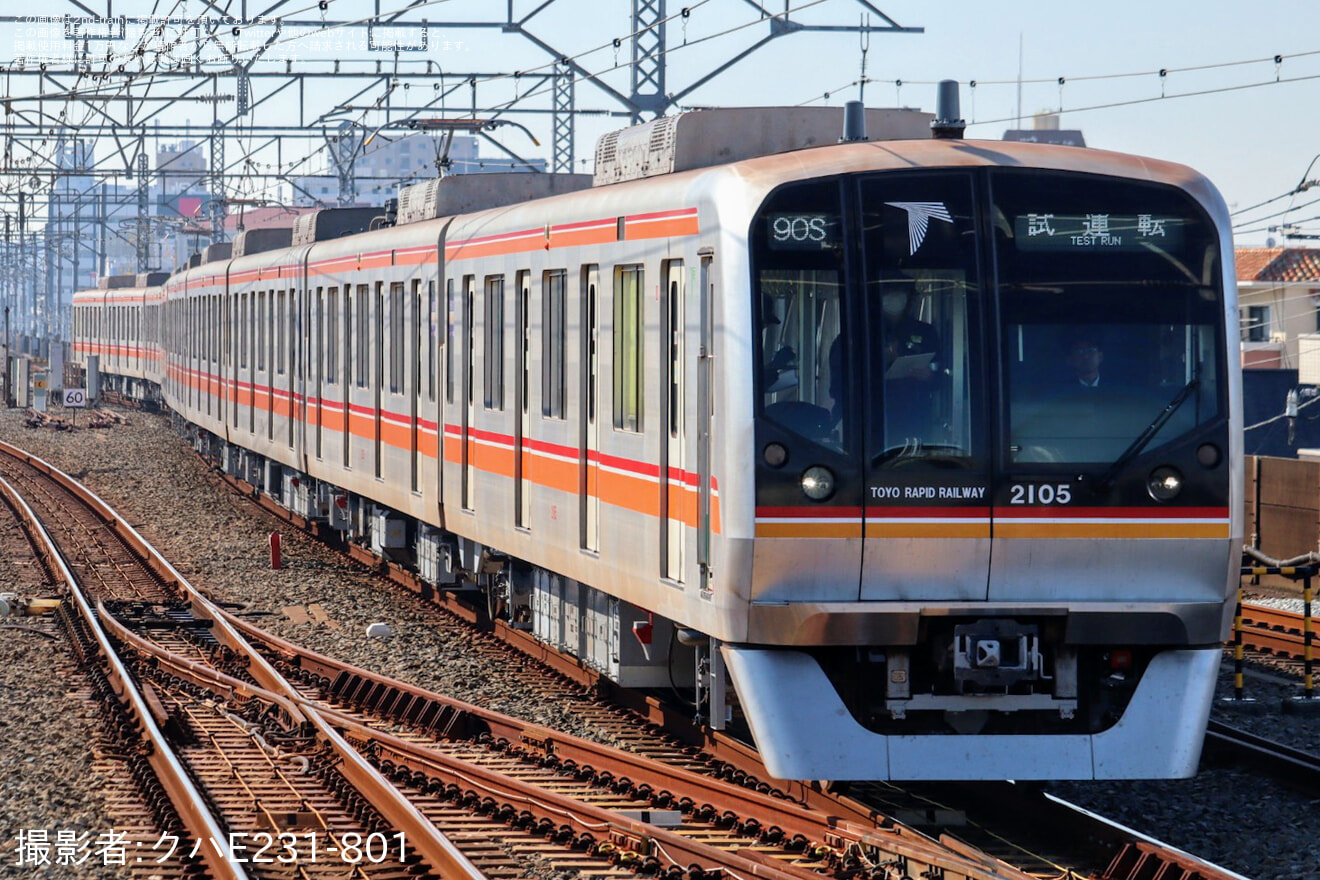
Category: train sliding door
[468,405]
[673,476]
[925,448]
[418,341]
[522,504]
[589,451]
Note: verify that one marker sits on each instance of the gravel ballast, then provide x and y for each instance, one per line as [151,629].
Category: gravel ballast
[220,543]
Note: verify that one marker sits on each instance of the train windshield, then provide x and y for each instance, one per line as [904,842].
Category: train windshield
[1109,304]
[876,319]
[801,313]
[921,291]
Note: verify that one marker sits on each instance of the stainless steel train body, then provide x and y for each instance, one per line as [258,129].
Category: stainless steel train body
[694,405]
[119,326]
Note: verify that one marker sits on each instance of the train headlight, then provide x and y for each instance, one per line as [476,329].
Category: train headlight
[1164,483]
[817,483]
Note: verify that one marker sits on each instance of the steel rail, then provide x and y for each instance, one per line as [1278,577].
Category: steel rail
[1275,631]
[399,754]
[423,837]
[722,747]
[401,701]
[189,803]
[1293,767]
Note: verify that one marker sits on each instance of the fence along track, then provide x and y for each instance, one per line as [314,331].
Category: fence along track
[379,793]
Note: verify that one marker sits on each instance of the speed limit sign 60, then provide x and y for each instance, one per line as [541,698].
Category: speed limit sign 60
[75,397]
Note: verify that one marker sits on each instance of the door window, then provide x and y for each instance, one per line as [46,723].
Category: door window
[921,289]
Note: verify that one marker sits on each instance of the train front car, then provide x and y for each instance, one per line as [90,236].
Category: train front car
[997,465]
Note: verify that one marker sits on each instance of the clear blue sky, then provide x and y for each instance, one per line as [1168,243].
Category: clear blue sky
[1254,143]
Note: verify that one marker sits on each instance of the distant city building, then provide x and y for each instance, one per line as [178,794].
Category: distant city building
[385,165]
[91,226]
[181,167]
[1045,130]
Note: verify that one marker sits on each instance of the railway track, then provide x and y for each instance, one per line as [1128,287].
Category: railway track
[338,756]
[984,822]
[1274,631]
[203,779]
[1295,768]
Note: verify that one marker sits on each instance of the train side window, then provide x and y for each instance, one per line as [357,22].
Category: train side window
[348,336]
[330,321]
[628,328]
[268,334]
[243,331]
[430,331]
[396,337]
[262,329]
[450,315]
[523,342]
[591,355]
[281,331]
[377,377]
[493,353]
[553,341]
[363,333]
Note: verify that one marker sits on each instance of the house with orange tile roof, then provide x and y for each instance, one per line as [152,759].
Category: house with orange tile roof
[1279,307]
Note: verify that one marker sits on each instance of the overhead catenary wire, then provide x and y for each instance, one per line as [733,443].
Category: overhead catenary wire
[1282,415]
[493,109]
[145,77]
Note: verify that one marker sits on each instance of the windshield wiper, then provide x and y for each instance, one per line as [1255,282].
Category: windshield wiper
[1143,439]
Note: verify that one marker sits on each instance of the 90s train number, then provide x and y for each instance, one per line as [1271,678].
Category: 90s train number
[1040,493]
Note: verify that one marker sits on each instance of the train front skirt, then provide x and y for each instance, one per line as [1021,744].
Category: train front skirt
[804,731]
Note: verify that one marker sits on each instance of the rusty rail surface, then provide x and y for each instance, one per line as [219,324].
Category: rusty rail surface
[742,814]
[625,835]
[665,783]
[1275,631]
[378,791]
[731,758]
[189,804]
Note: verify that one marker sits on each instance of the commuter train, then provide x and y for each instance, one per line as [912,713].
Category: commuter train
[929,448]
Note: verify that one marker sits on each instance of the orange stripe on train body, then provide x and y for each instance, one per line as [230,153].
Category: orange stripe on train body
[636,227]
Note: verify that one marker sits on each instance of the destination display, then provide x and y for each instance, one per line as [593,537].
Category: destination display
[802,232]
[1116,233]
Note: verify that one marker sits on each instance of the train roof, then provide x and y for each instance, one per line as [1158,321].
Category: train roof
[119,295]
[757,173]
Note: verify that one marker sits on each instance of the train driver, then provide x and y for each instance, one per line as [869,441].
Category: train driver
[913,363]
